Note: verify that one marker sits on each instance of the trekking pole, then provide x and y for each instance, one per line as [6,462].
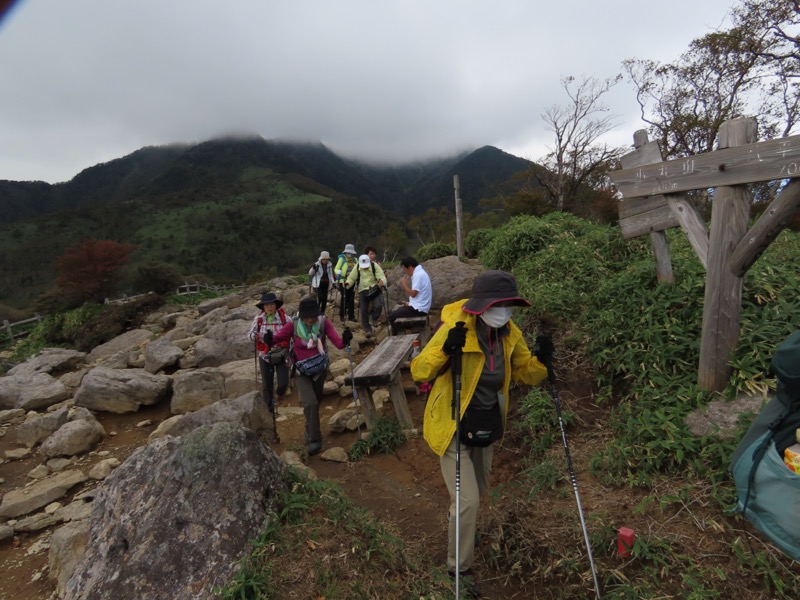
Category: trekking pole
[353,385]
[259,383]
[551,377]
[455,370]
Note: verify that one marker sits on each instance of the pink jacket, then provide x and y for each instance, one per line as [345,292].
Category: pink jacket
[301,352]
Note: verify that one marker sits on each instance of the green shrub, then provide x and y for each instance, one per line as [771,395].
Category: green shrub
[435,250]
[476,241]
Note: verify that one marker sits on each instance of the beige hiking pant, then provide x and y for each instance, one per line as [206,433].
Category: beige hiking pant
[476,468]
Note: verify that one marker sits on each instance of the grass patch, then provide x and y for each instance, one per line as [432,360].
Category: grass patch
[320,545]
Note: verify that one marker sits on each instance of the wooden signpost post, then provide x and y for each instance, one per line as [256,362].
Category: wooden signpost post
[653,203]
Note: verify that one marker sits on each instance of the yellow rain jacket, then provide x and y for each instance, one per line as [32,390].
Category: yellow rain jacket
[438,426]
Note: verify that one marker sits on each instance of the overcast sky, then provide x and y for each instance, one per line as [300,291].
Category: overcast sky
[87,81]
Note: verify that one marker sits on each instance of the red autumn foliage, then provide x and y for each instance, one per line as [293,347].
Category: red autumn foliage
[91,269]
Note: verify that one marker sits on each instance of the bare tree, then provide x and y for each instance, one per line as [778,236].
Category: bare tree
[751,69]
[577,157]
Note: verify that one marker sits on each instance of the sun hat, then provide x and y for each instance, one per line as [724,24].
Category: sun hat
[269,298]
[491,287]
[364,261]
[349,249]
[308,308]
[324,254]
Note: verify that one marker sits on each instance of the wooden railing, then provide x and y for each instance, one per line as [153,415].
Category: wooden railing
[9,327]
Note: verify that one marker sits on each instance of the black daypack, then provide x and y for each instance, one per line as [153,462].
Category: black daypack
[768,491]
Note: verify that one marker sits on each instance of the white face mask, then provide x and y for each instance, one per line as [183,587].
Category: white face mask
[497,316]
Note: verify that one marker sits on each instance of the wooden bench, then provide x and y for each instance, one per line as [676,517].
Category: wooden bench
[382,367]
[419,325]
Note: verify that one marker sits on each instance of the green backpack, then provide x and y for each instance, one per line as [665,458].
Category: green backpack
[769,492]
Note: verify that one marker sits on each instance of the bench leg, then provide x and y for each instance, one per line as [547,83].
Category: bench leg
[398,397]
[366,405]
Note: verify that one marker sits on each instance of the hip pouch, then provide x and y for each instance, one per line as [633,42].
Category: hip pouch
[481,426]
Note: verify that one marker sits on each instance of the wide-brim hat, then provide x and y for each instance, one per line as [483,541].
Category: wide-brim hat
[491,287]
[324,254]
[350,249]
[269,298]
[308,307]
[364,261]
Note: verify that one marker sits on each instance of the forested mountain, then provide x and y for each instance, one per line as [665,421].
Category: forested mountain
[153,172]
[228,208]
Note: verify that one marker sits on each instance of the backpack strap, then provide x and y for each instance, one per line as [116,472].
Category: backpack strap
[759,452]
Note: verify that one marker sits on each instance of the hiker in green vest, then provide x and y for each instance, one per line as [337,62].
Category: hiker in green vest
[345,265]
[368,280]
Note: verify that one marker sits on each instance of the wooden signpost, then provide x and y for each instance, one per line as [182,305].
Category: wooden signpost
[653,203]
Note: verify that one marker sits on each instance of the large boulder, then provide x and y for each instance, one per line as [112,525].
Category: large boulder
[221,482]
[31,391]
[451,280]
[121,390]
[127,342]
[161,354]
[248,411]
[192,390]
[49,360]
[75,437]
[38,427]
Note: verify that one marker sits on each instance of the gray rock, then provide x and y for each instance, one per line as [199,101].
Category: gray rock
[160,354]
[334,455]
[103,469]
[18,453]
[75,511]
[130,340]
[6,532]
[240,377]
[49,360]
[40,391]
[143,547]
[224,342]
[451,280]
[121,391]
[75,437]
[67,544]
[248,411]
[39,472]
[36,429]
[12,416]
[721,417]
[37,522]
[41,493]
[339,422]
[193,390]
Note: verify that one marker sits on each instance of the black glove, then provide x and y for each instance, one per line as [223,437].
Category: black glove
[456,338]
[267,337]
[347,336]
[544,349]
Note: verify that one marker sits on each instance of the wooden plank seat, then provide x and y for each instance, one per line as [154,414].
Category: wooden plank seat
[382,367]
[419,325]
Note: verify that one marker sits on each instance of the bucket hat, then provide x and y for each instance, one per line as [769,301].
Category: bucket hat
[269,298]
[308,308]
[350,249]
[364,261]
[324,254]
[491,287]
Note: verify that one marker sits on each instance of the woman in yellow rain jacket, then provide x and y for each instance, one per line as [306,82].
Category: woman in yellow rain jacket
[494,354]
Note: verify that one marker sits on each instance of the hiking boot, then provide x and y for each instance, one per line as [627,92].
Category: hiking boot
[314,448]
[467,583]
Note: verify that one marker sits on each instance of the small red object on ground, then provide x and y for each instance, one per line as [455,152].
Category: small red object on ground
[625,539]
